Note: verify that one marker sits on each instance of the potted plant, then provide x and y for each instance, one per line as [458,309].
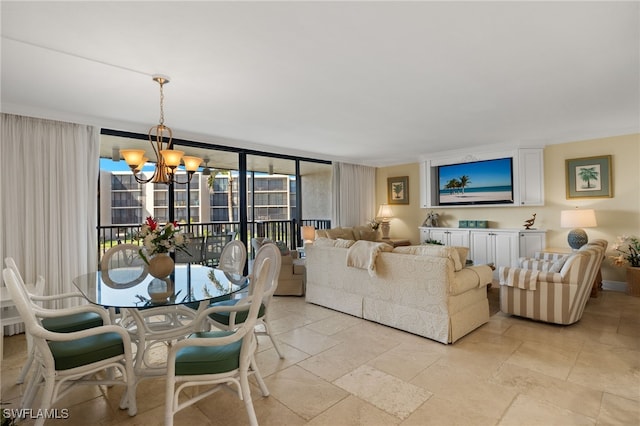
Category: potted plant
[628,249]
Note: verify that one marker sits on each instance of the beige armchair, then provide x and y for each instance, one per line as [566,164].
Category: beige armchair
[292,277]
[553,289]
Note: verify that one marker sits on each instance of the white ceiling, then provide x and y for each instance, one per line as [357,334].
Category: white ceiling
[375,83]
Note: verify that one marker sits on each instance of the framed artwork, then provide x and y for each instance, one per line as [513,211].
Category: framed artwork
[589,177]
[398,190]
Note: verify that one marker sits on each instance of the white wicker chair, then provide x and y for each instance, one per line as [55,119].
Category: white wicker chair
[212,360]
[57,320]
[231,320]
[233,257]
[65,359]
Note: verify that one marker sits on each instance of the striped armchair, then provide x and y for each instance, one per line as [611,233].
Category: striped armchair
[551,287]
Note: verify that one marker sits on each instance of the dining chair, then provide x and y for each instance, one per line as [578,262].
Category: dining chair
[216,360]
[229,320]
[56,320]
[194,252]
[233,257]
[213,247]
[74,358]
[122,267]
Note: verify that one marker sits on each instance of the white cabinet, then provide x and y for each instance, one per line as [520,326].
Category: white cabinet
[528,176]
[490,246]
[447,236]
[502,247]
[531,241]
[531,174]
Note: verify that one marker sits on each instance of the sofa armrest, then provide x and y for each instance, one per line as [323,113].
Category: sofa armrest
[526,279]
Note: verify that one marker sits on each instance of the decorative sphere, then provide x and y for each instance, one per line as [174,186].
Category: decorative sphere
[577,238]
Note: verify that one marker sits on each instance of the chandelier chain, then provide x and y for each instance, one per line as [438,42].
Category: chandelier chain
[161,102]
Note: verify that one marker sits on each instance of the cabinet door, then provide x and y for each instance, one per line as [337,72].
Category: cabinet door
[481,247]
[530,243]
[531,176]
[505,249]
[458,238]
[440,235]
[424,235]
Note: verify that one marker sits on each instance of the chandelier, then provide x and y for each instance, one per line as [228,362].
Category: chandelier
[161,140]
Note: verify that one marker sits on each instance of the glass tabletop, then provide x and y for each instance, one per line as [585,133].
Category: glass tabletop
[133,288]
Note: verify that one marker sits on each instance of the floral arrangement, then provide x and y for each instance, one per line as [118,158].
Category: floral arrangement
[374,224]
[160,239]
[629,249]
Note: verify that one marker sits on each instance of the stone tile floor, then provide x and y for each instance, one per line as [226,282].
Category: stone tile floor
[340,370]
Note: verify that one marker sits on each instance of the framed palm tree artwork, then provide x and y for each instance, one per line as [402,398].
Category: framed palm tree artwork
[589,177]
[398,190]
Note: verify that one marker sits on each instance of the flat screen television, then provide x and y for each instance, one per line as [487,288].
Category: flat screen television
[476,183]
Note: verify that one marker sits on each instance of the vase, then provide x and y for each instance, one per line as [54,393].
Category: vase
[633,281]
[160,289]
[161,265]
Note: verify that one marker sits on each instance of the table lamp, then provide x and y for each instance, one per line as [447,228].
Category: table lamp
[577,219]
[385,213]
[308,234]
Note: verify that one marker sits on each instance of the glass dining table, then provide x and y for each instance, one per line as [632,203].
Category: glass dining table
[158,311]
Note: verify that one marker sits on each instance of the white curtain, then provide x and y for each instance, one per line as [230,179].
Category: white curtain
[48,186]
[354,194]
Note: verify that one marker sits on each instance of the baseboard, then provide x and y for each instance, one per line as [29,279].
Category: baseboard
[615,286]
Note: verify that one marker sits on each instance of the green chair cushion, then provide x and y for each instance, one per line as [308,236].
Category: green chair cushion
[223,317]
[195,360]
[87,350]
[73,322]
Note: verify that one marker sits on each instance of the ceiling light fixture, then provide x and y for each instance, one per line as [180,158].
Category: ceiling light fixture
[161,140]
[206,171]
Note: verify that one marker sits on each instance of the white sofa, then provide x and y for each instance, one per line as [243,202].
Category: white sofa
[428,294]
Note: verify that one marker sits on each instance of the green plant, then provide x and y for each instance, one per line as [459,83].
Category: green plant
[629,249]
[435,242]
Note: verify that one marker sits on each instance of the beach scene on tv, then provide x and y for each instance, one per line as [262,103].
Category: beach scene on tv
[480,182]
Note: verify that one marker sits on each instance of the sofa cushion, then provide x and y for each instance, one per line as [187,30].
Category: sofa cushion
[344,233]
[365,232]
[433,250]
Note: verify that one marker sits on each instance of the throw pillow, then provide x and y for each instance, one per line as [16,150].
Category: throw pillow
[321,233]
[558,264]
[323,242]
[343,243]
[284,250]
[368,235]
[334,233]
[463,252]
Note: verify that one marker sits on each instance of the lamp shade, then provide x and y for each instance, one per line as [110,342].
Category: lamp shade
[578,218]
[385,211]
[172,157]
[133,157]
[308,233]
[191,163]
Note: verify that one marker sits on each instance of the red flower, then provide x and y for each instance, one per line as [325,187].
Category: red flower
[153,224]
[175,224]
